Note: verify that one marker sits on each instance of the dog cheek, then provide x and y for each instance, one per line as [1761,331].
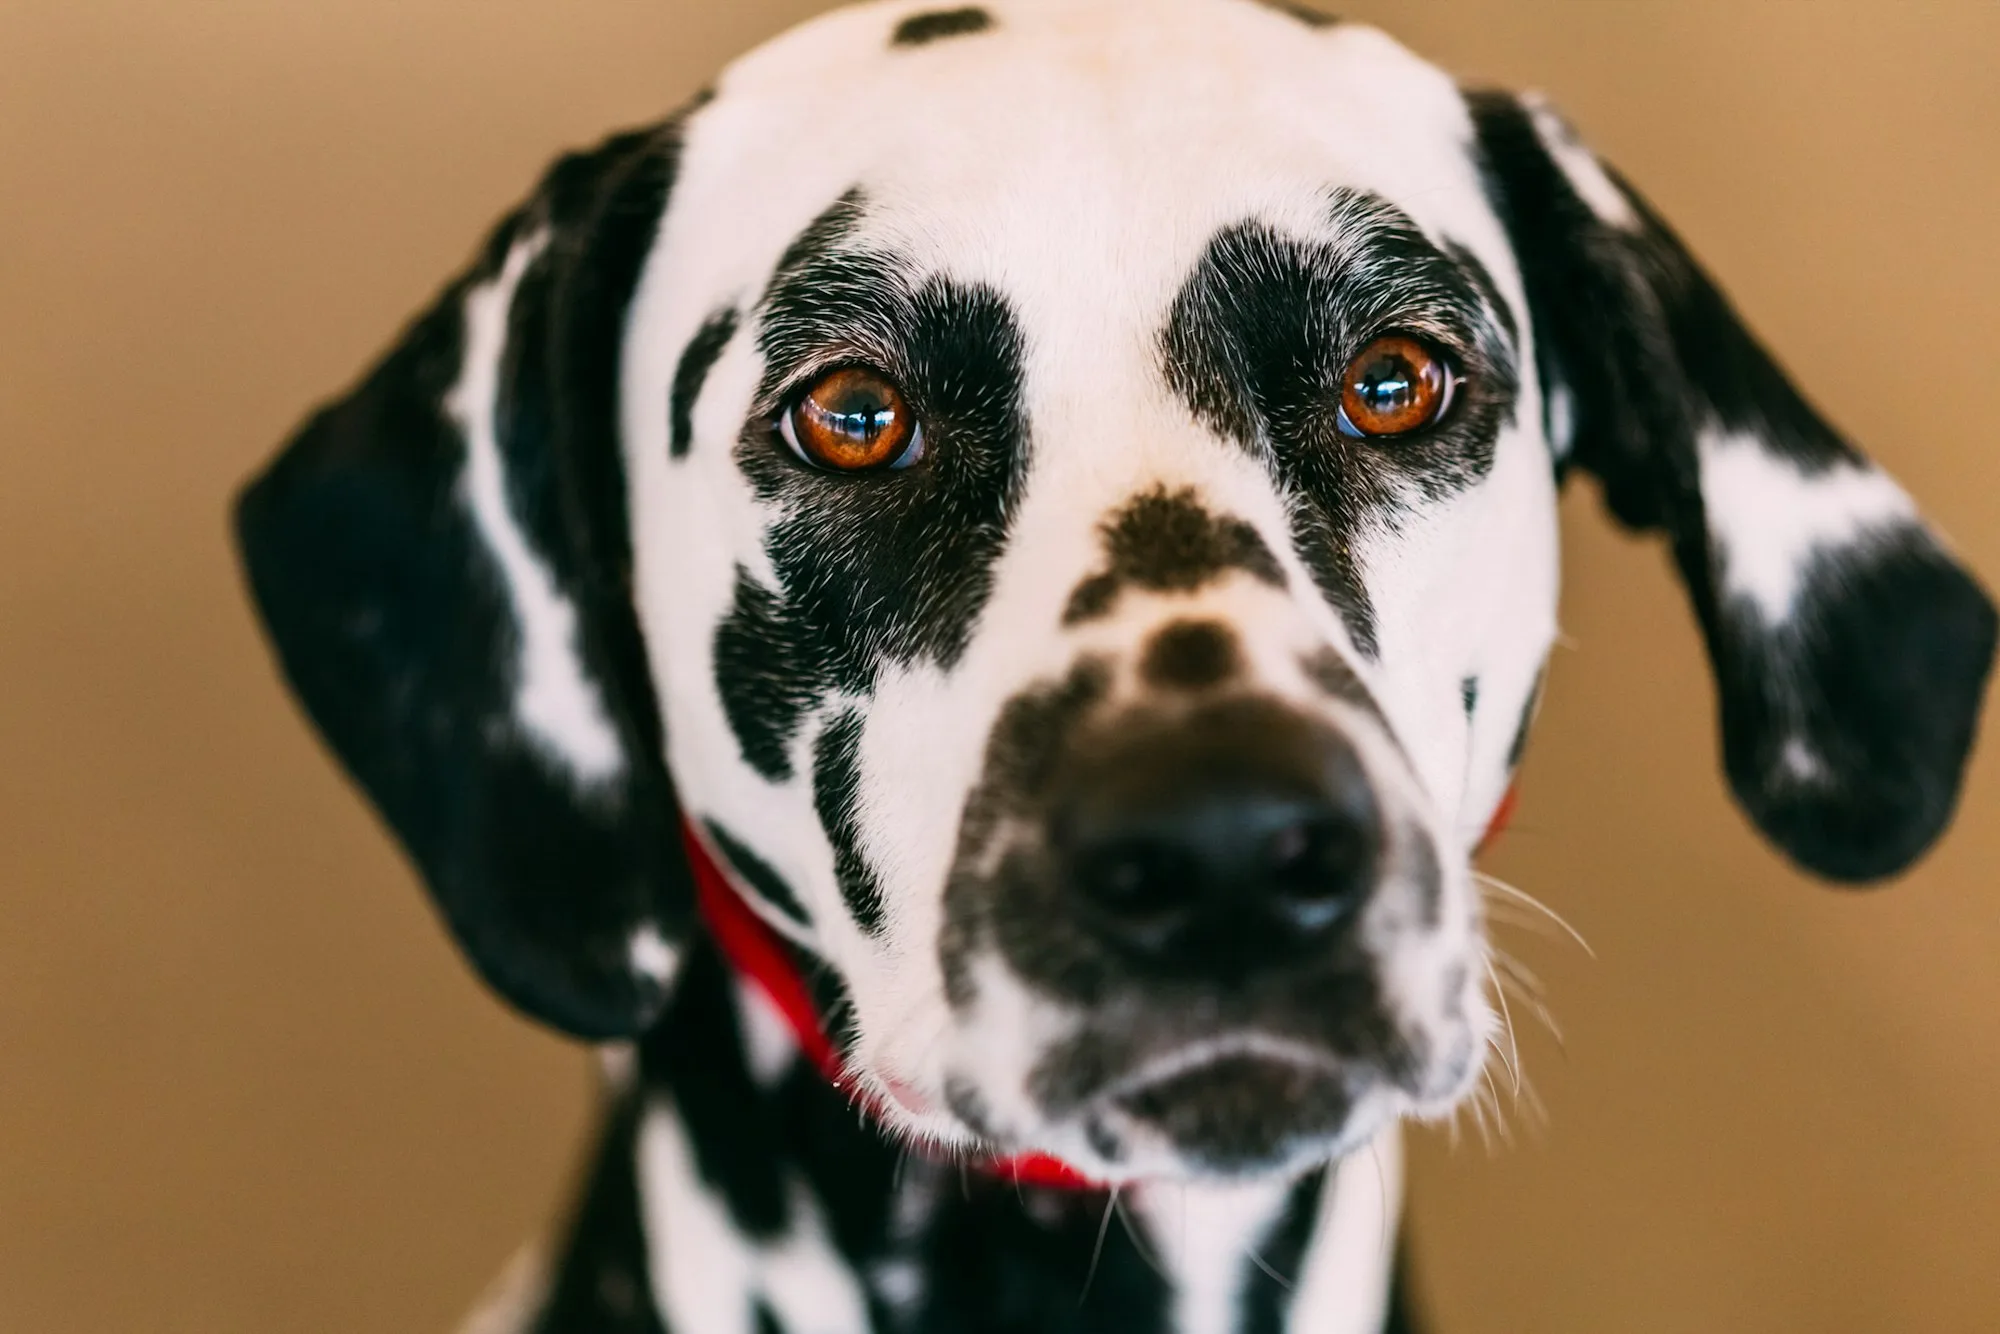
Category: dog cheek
[1425,939]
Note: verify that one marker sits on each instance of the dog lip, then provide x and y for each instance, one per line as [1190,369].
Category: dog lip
[1190,1057]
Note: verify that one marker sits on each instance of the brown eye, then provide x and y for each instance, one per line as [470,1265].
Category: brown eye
[853,420]
[1397,385]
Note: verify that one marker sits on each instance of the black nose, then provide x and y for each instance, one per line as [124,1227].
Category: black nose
[1236,837]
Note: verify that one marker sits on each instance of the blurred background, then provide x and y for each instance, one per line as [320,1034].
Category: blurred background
[245,1083]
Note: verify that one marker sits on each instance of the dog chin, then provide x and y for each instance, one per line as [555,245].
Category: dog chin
[1228,1115]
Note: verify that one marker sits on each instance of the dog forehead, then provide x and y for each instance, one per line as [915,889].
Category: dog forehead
[1083,150]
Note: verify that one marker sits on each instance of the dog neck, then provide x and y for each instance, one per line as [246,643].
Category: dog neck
[737,1191]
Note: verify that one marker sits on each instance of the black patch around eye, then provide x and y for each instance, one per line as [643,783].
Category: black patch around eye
[892,567]
[770,886]
[703,351]
[836,792]
[767,1321]
[1306,14]
[1165,541]
[935,25]
[1256,345]
[1190,655]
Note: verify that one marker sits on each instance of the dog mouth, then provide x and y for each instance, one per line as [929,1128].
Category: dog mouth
[1233,1105]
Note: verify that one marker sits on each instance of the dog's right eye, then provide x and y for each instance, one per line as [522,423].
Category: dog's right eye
[853,420]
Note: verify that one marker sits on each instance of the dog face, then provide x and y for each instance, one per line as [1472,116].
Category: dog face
[1062,499]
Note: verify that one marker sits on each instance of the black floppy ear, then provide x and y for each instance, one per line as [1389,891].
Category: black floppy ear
[443,564]
[1850,649]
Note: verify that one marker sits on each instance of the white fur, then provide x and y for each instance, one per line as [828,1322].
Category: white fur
[767,1039]
[707,1276]
[555,701]
[651,956]
[1345,1289]
[1768,519]
[703,1269]
[1078,159]
[1586,174]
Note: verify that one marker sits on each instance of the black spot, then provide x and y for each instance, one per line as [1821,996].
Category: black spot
[1334,674]
[770,886]
[698,1053]
[1016,1259]
[1424,875]
[882,568]
[1261,334]
[703,351]
[1166,542]
[1268,1287]
[1468,694]
[1518,747]
[1846,728]
[767,1320]
[768,675]
[1306,14]
[969,1105]
[937,24]
[836,791]
[1190,655]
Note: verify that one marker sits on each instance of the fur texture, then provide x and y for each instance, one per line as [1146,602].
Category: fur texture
[1115,769]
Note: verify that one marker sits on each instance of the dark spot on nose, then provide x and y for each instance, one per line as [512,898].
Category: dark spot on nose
[1167,542]
[1190,655]
[938,24]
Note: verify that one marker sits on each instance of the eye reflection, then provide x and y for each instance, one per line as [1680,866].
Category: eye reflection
[853,420]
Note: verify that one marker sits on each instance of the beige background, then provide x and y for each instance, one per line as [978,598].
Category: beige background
[245,1084]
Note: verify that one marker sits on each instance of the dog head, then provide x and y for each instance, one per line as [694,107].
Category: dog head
[1062,498]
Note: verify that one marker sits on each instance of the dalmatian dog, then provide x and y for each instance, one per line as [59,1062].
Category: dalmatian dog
[963,606]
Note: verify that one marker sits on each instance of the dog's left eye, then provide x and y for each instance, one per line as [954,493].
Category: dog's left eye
[853,420]
[1397,385]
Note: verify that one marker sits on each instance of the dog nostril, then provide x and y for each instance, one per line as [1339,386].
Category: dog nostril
[1316,869]
[1141,881]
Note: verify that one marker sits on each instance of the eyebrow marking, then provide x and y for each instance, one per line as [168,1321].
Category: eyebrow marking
[937,24]
[703,351]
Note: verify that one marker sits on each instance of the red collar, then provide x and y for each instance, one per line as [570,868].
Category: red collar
[761,955]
